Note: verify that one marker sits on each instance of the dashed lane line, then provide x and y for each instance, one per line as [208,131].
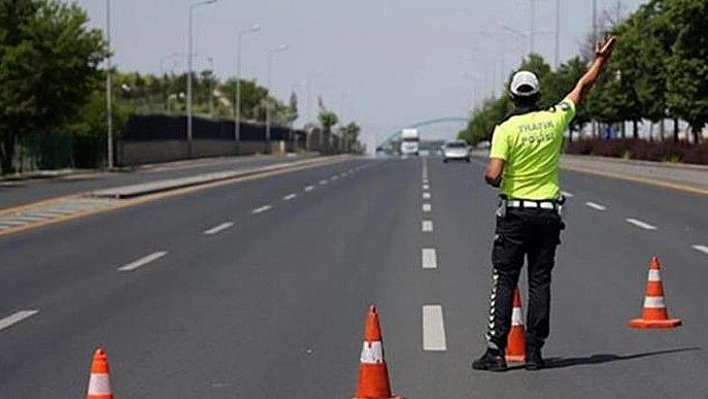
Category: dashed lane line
[427,208]
[289,197]
[309,188]
[701,248]
[142,261]
[323,182]
[640,224]
[218,229]
[567,194]
[426,186]
[427,226]
[16,318]
[426,195]
[262,209]
[596,206]
[430,258]
[433,329]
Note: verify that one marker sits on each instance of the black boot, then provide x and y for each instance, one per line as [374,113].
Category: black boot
[534,360]
[491,360]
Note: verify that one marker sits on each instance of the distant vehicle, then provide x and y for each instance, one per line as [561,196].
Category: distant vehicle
[410,142]
[483,145]
[456,150]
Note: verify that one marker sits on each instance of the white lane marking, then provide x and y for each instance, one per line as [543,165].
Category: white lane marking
[430,258]
[309,188]
[142,261]
[218,229]
[426,187]
[426,195]
[262,209]
[567,194]
[323,182]
[289,197]
[333,178]
[427,226]
[427,207]
[433,328]
[641,224]
[596,206]
[701,248]
[16,318]
[344,174]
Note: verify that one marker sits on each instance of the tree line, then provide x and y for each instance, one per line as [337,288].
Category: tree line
[51,80]
[659,71]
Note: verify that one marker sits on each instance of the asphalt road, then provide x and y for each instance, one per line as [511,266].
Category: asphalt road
[273,305]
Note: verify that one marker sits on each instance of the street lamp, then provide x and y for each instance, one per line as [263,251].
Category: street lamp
[109,86]
[237,128]
[279,49]
[189,74]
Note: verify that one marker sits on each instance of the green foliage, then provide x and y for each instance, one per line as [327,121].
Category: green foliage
[48,68]
[327,120]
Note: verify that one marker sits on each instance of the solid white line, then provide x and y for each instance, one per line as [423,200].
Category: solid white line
[218,229]
[567,194]
[262,209]
[289,197]
[309,188]
[596,206]
[427,207]
[430,258]
[433,328]
[16,318]
[701,248]
[142,262]
[641,224]
[427,226]
[426,195]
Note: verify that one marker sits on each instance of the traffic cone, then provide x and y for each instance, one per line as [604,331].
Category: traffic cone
[373,374]
[99,383]
[654,313]
[516,341]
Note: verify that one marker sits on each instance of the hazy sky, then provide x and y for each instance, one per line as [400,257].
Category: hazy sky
[382,63]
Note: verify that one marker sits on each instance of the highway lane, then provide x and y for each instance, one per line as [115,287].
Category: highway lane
[19,192]
[274,304]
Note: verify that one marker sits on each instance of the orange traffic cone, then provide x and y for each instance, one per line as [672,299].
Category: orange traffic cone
[654,313]
[99,383]
[373,374]
[516,341]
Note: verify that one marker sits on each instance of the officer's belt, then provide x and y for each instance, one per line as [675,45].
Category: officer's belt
[531,204]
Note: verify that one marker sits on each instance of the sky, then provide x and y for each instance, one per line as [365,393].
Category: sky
[385,64]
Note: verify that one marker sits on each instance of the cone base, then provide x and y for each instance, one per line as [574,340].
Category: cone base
[646,324]
[515,358]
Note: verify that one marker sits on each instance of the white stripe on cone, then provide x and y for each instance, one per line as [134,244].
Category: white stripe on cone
[99,384]
[654,275]
[372,353]
[516,317]
[654,302]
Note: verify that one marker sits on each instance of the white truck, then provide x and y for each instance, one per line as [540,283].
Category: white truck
[410,141]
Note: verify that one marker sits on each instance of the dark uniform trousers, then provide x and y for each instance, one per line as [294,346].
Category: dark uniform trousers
[532,233]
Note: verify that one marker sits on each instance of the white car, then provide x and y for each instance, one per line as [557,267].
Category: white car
[457,150]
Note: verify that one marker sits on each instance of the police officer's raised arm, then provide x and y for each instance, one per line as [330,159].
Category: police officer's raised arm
[603,50]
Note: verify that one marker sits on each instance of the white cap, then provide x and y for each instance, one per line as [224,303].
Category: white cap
[524,83]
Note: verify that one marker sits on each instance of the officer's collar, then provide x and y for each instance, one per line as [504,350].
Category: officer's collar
[520,111]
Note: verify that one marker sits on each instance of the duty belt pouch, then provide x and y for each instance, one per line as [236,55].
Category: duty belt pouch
[501,211]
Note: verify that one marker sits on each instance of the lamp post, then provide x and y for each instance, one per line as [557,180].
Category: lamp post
[189,74]
[279,49]
[109,87]
[237,103]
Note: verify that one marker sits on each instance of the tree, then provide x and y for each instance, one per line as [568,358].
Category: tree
[292,109]
[48,68]
[327,120]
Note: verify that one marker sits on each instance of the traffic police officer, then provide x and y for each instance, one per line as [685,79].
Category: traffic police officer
[523,162]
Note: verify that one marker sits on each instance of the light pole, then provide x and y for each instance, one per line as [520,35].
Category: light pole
[237,103]
[189,74]
[109,86]
[279,49]
[211,87]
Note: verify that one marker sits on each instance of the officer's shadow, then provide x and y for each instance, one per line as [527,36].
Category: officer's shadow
[561,362]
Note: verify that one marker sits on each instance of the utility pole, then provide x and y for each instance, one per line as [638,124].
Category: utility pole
[109,86]
[557,41]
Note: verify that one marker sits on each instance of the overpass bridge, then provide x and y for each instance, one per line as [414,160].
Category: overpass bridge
[389,145]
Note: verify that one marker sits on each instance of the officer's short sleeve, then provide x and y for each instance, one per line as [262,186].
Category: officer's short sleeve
[500,146]
[567,111]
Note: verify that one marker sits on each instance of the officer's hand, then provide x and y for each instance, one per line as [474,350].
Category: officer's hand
[604,48]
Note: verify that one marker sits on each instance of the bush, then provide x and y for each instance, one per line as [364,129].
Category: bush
[657,151]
